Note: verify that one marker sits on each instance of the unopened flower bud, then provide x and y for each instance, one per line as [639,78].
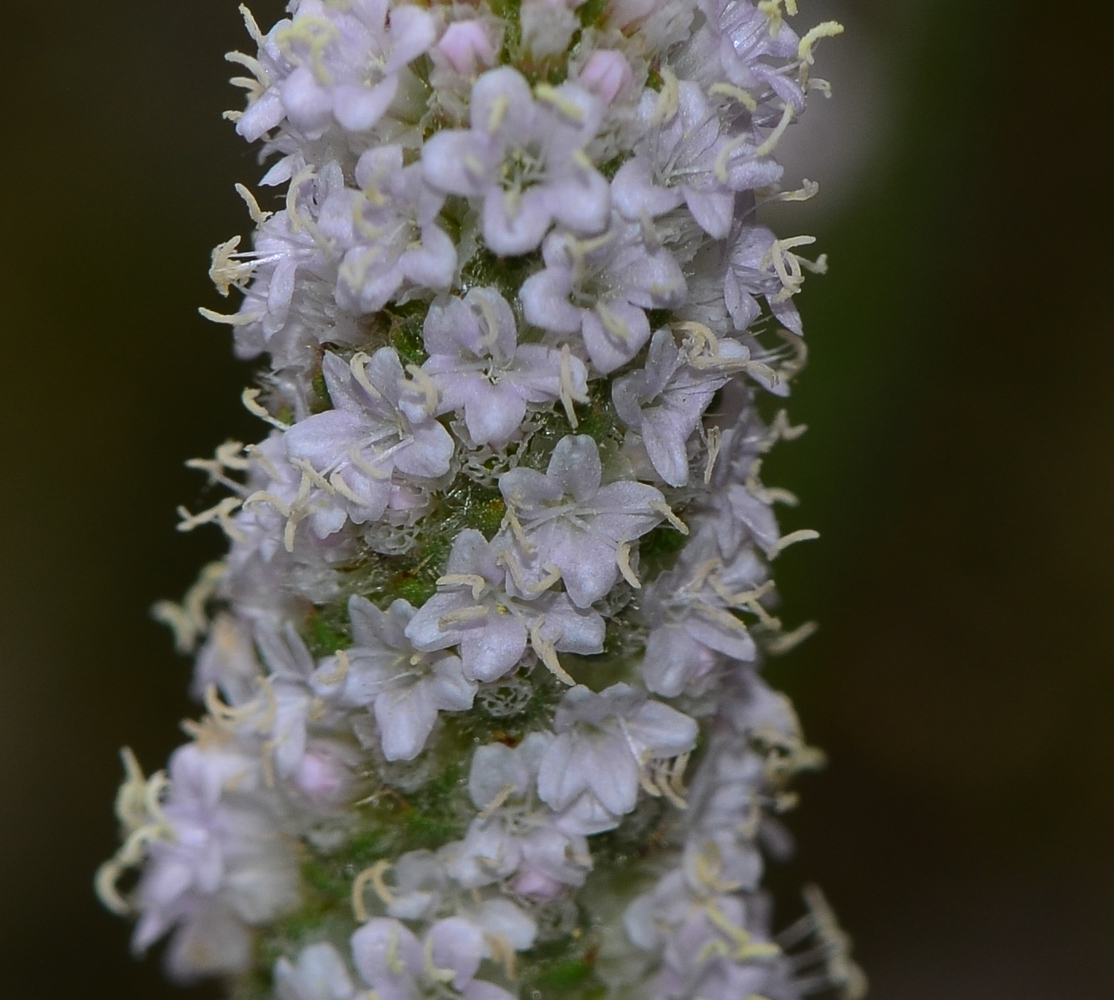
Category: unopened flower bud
[467,47]
[605,74]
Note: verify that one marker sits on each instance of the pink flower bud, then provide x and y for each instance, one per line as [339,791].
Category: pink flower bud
[605,73]
[538,886]
[322,777]
[466,46]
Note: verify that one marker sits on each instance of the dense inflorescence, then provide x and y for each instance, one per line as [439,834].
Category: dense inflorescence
[481,668]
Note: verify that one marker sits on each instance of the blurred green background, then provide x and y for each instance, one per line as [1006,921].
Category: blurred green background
[961,410]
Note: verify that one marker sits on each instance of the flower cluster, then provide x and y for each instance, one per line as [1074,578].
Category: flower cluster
[484,715]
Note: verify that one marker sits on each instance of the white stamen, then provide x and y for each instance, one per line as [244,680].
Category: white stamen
[221,513]
[427,387]
[188,620]
[555,99]
[801,535]
[775,136]
[735,93]
[235,319]
[358,367]
[622,558]
[258,216]
[250,399]
[371,876]
[668,98]
[548,653]
[790,640]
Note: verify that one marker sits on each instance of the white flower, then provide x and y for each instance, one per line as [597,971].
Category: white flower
[320,974]
[338,61]
[472,610]
[601,289]
[565,524]
[406,688]
[524,157]
[605,741]
[480,369]
[382,422]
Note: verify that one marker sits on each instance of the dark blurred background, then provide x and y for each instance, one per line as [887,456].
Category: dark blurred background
[961,411]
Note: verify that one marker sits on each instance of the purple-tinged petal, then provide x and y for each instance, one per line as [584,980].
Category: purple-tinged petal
[545,301]
[430,453]
[457,162]
[495,649]
[515,224]
[405,716]
[433,263]
[635,194]
[714,211]
[665,438]
[413,31]
[575,466]
[587,562]
[457,945]
[358,108]
[387,956]
[581,201]
[528,486]
[493,414]
[614,332]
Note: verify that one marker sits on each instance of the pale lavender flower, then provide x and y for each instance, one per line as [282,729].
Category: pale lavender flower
[526,850]
[753,50]
[686,156]
[338,62]
[287,496]
[740,509]
[665,400]
[524,157]
[757,267]
[227,661]
[472,610]
[288,307]
[515,834]
[721,958]
[284,246]
[397,966]
[676,662]
[214,866]
[320,974]
[480,369]
[601,288]
[604,743]
[420,886]
[755,734]
[290,669]
[547,26]
[387,233]
[406,688]
[264,530]
[648,919]
[693,613]
[327,775]
[382,422]
[566,525]
[423,889]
